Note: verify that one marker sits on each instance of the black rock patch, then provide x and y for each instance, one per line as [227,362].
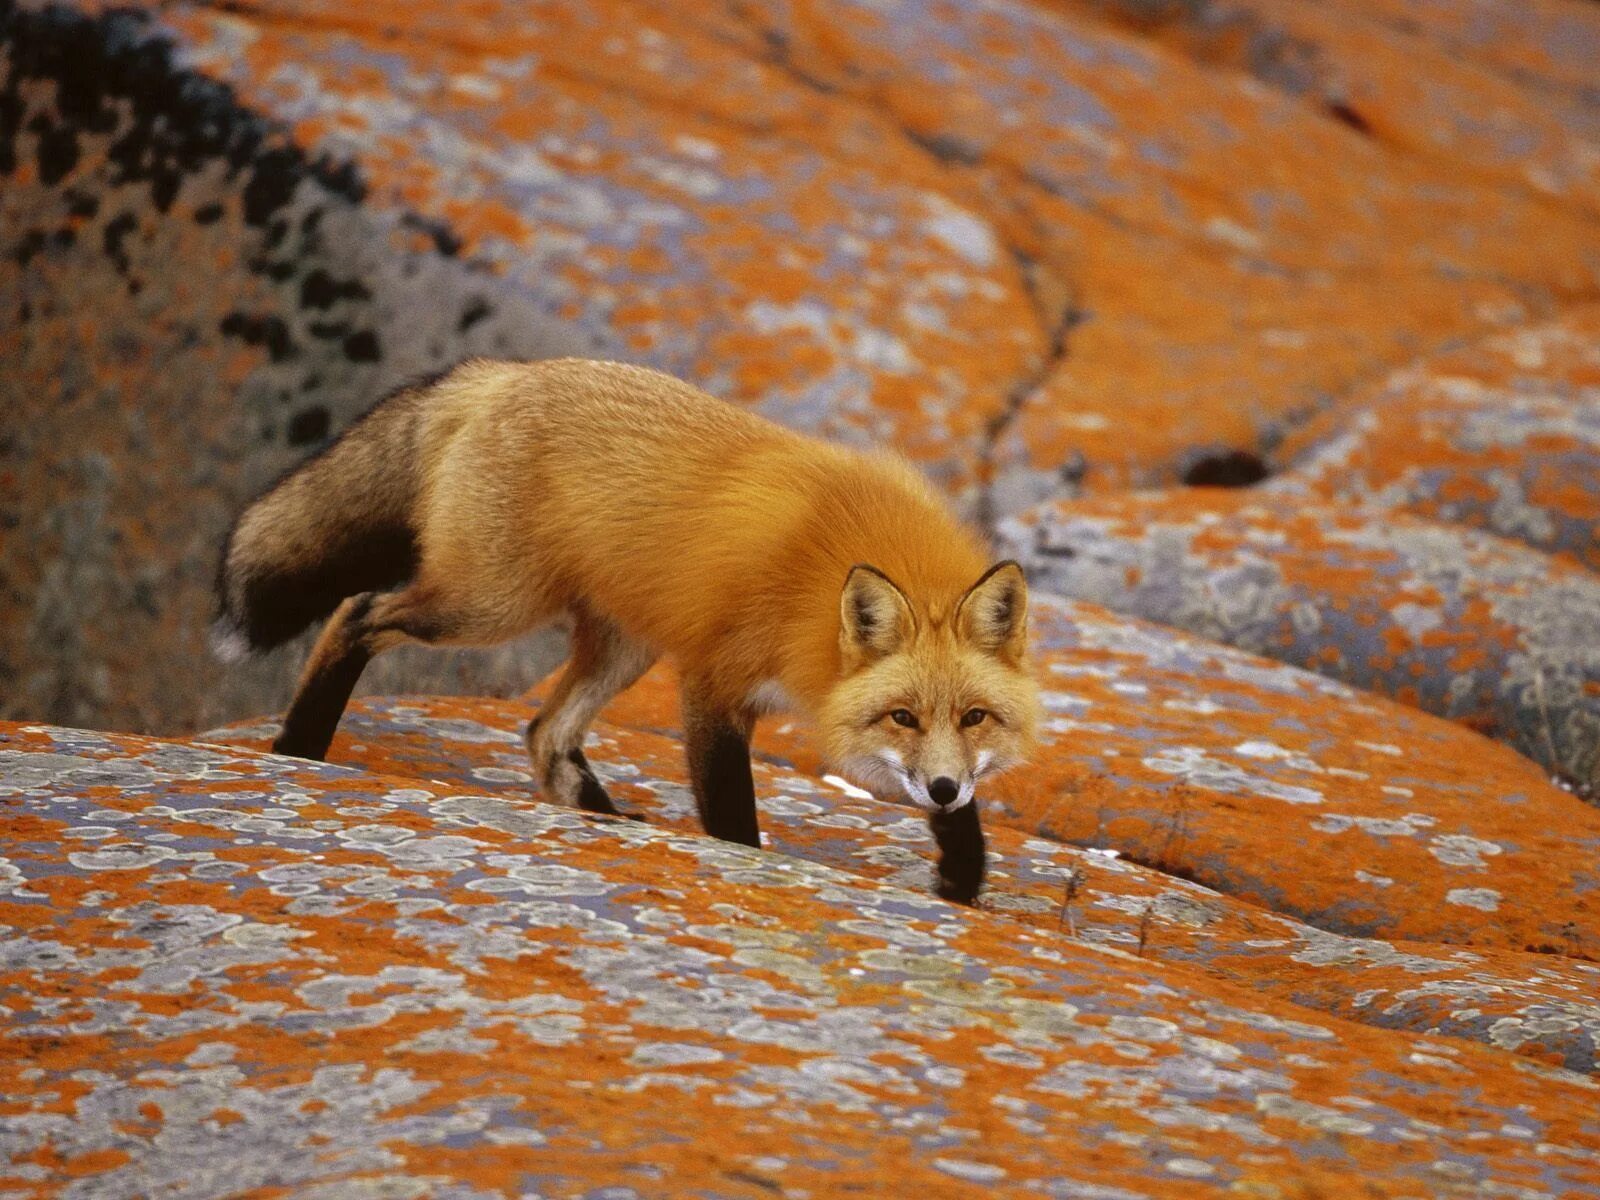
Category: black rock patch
[1227,469]
[363,347]
[307,426]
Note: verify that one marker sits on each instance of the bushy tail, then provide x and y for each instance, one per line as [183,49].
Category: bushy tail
[338,525]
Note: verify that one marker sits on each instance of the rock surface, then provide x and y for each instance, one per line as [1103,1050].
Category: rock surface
[189,301]
[1501,93]
[1295,792]
[253,952]
[1503,435]
[1454,621]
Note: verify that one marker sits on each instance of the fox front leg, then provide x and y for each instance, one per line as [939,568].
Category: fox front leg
[718,743]
[569,774]
[962,852]
[604,662]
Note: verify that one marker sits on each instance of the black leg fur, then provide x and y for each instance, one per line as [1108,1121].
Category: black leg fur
[961,852]
[347,645]
[724,789]
[309,724]
[592,795]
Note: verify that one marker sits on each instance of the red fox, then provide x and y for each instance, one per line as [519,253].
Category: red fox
[777,571]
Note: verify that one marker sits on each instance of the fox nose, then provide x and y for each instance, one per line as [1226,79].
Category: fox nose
[943,791]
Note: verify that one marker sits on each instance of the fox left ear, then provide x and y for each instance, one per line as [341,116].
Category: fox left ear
[993,615]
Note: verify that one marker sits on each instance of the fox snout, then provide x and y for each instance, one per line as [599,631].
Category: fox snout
[940,792]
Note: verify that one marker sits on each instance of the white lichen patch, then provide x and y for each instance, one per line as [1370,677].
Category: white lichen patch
[1483,899]
[1462,850]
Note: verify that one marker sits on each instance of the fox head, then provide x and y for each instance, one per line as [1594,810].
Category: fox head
[931,700]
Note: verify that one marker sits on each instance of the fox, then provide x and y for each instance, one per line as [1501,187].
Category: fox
[778,572]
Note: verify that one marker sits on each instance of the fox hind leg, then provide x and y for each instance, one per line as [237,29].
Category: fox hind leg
[604,661]
[361,628]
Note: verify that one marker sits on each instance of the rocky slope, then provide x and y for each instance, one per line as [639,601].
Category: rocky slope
[260,974]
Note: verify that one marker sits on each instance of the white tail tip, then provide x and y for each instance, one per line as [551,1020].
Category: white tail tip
[228,643]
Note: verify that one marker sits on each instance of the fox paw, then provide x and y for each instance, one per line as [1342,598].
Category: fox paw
[592,795]
[571,780]
[296,746]
[567,778]
[963,890]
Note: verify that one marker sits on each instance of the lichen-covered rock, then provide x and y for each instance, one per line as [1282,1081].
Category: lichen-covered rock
[1502,92]
[1294,254]
[1457,622]
[663,198]
[190,299]
[1234,258]
[1344,809]
[230,972]
[931,224]
[1545,1005]
[1503,435]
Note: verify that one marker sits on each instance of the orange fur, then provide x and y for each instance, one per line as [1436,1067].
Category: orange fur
[720,538]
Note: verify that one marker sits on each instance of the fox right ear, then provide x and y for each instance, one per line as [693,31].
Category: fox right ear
[874,616]
[993,615]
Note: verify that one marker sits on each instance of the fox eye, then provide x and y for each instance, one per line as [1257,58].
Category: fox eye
[974,716]
[903,716]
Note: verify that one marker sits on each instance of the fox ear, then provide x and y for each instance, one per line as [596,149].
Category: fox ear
[993,615]
[874,616]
